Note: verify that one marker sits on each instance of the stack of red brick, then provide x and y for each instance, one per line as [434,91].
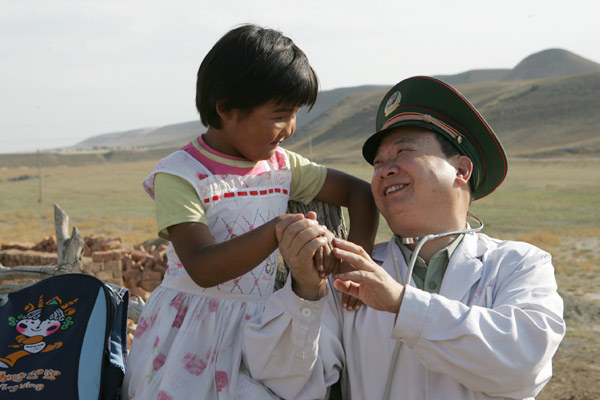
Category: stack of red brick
[139,268]
[13,254]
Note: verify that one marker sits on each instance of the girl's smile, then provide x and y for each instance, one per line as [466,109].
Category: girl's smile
[253,135]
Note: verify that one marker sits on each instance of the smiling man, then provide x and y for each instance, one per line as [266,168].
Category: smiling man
[480,318]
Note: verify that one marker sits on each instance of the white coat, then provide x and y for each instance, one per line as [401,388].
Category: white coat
[490,333]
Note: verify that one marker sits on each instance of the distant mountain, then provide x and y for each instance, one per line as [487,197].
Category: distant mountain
[542,117]
[475,76]
[552,116]
[551,63]
[546,104]
[330,98]
[545,64]
[344,122]
[181,133]
[164,136]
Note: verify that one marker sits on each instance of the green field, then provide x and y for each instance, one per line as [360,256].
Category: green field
[104,198]
[553,204]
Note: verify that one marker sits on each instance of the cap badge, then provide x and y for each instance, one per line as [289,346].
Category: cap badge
[392,103]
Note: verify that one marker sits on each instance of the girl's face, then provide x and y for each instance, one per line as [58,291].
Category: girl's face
[254,135]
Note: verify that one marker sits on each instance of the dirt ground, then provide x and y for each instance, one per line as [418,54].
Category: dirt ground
[577,362]
[576,365]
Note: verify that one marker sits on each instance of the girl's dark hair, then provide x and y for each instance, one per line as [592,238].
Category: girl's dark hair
[250,66]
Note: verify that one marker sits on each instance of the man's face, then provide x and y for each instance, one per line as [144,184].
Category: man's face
[413,183]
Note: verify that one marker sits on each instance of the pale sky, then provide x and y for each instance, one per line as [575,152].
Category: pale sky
[73,69]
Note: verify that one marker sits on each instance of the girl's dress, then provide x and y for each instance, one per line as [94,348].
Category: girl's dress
[188,342]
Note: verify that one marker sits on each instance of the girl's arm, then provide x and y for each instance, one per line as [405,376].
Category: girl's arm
[355,194]
[344,190]
[209,263]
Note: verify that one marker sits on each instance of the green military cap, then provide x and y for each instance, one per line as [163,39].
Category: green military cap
[430,103]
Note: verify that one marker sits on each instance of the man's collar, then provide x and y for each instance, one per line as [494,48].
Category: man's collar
[448,249]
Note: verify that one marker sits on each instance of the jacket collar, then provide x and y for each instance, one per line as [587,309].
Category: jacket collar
[464,269]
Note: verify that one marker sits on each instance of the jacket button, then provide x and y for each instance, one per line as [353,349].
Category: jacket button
[306,312]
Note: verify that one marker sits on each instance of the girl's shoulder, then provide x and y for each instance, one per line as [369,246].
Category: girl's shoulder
[179,164]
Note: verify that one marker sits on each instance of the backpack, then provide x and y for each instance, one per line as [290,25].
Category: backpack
[63,338]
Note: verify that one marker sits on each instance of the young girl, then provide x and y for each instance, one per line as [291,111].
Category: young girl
[218,200]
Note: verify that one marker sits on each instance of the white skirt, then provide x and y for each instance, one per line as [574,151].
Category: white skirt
[189,346]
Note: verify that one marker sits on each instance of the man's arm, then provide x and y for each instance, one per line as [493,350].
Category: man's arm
[294,347]
[504,349]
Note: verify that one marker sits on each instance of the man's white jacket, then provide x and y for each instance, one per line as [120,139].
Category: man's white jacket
[490,333]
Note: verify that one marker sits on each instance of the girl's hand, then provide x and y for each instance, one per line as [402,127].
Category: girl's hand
[327,264]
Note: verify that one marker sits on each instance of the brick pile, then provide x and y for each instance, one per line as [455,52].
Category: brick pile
[139,268]
[11,256]
[48,245]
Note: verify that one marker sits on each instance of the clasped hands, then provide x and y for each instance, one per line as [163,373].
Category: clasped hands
[312,253]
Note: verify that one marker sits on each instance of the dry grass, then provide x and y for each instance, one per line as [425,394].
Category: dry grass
[106,198]
[551,204]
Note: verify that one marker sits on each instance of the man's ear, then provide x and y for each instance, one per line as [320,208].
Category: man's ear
[464,170]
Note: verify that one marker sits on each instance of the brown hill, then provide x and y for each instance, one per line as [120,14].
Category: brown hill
[345,115]
[551,63]
[554,116]
[164,136]
[181,133]
[544,64]
[545,106]
[475,76]
[342,125]
[539,117]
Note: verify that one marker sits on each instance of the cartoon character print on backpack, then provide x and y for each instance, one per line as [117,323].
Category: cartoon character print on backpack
[36,325]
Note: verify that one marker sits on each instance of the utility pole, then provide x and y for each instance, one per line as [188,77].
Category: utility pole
[39,174]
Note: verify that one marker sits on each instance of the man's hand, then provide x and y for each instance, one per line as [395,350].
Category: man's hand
[368,281]
[348,302]
[299,239]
